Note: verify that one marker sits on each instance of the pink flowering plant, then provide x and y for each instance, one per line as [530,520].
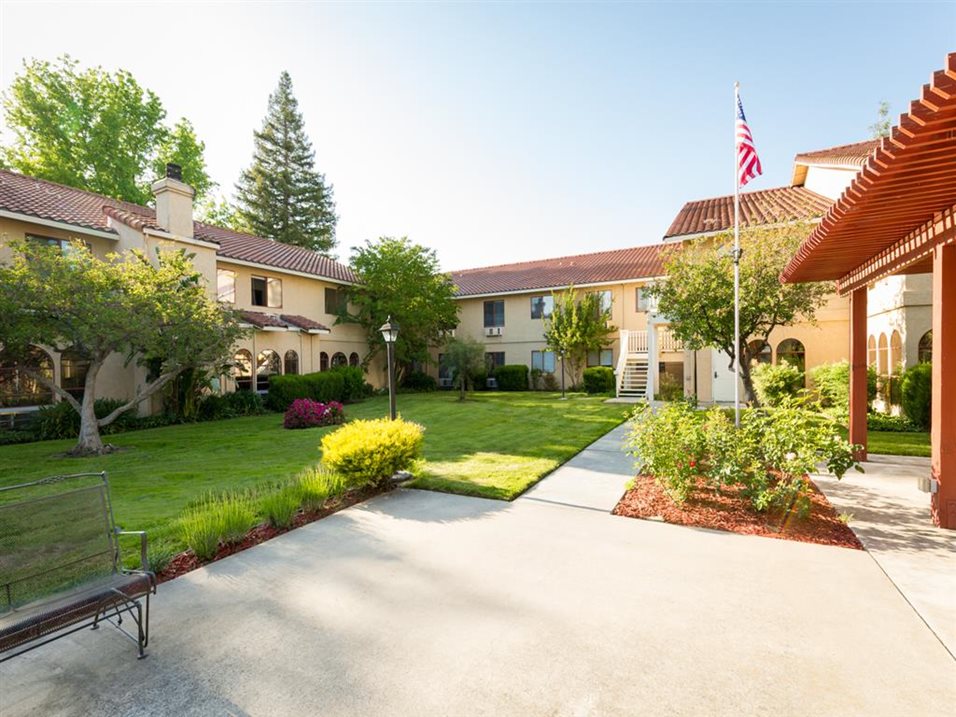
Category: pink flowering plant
[306,413]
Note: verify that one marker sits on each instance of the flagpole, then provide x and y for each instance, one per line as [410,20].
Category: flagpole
[736,266]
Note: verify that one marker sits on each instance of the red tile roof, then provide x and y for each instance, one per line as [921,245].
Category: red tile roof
[853,155]
[767,206]
[304,323]
[262,320]
[56,202]
[580,270]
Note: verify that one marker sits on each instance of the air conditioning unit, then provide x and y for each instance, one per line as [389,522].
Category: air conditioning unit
[494,330]
[445,383]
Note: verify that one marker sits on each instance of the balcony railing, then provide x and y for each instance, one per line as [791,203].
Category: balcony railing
[666,341]
[633,342]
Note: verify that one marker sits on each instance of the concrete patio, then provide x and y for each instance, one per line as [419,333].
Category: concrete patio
[421,603]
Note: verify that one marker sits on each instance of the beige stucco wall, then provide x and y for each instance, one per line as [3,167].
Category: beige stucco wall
[13,230]
[521,334]
[829,181]
[903,304]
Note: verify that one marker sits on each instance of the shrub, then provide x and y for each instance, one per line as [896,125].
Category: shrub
[886,422]
[512,377]
[831,383]
[342,384]
[62,421]
[599,379]
[671,389]
[668,444]
[549,382]
[306,413]
[774,383]
[370,452]
[770,454]
[280,503]
[917,394]
[8,437]
[419,381]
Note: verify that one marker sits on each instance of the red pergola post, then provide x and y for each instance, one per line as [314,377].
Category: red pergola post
[858,367]
[943,432]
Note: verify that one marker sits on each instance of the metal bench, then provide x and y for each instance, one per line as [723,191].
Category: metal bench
[60,564]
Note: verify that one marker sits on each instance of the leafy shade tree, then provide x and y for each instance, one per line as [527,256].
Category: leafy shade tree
[881,128]
[281,195]
[95,130]
[464,358]
[698,294]
[218,210]
[578,325]
[154,312]
[401,280]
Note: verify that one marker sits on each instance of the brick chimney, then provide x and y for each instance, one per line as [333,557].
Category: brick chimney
[174,203]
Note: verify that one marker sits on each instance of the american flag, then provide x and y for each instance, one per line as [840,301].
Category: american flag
[748,163]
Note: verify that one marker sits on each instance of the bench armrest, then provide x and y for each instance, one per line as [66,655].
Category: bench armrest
[144,561]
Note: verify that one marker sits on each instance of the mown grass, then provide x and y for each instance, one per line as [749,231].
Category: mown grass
[493,445]
[898,444]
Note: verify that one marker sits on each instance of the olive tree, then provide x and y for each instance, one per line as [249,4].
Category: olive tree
[147,310]
[464,357]
[578,325]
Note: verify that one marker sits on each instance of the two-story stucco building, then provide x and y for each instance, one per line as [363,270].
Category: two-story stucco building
[287,294]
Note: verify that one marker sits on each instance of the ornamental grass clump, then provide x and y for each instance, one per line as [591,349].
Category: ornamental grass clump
[370,452]
[306,413]
[316,486]
[279,504]
[216,519]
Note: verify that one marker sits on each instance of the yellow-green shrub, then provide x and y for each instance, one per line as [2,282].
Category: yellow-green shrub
[369,452]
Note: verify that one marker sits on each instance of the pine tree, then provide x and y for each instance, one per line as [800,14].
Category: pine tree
[281,195]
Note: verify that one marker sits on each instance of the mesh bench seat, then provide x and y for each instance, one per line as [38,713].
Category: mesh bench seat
[60,564]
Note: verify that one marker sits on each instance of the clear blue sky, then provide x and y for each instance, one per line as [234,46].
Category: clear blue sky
[502,132]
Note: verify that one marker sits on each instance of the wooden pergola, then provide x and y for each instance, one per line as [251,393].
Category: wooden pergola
[898,216]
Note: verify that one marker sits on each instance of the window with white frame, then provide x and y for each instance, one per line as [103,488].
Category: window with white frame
[641,298]
[604,357]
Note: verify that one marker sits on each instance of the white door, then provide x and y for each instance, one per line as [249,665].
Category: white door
[723,386]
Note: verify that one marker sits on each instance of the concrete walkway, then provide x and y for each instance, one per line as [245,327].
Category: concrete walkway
[419,603]
[891,517]
[594,478]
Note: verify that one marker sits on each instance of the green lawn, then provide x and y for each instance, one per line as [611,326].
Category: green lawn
[898,444]
[493,445]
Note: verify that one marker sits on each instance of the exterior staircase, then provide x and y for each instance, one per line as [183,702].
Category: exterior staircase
[632,381]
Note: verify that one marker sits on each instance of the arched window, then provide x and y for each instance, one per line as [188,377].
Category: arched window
[924,354]
[354,359]
[73,370]
[242,370]
[883,356]
[291,362]
[323,361]
[792,351]
[896,352]
[17,386]
[761,352]
[338,359]
[871,351]
[267,364]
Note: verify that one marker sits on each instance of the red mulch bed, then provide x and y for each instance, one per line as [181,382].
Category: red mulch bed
[730,511]
[186,561]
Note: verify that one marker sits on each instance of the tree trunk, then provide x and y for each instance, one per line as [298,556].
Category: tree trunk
[89,442]
[750,396]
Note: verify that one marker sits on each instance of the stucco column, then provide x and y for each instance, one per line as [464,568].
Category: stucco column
[943,417]
[858,369]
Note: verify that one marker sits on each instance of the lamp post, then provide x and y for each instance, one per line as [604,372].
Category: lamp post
[561,354]
[390,334]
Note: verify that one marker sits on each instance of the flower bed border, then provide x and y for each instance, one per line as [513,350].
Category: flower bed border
[186,561]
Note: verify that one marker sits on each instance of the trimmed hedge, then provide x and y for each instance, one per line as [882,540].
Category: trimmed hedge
[419,381]
[342,384]
[370,452]
[512,377]
[917,393]
[599,379]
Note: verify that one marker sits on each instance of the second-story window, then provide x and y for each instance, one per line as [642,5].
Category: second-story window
[336,301]
[640,294]
[541,307]
[226,289]
[266,291]
[494,313]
